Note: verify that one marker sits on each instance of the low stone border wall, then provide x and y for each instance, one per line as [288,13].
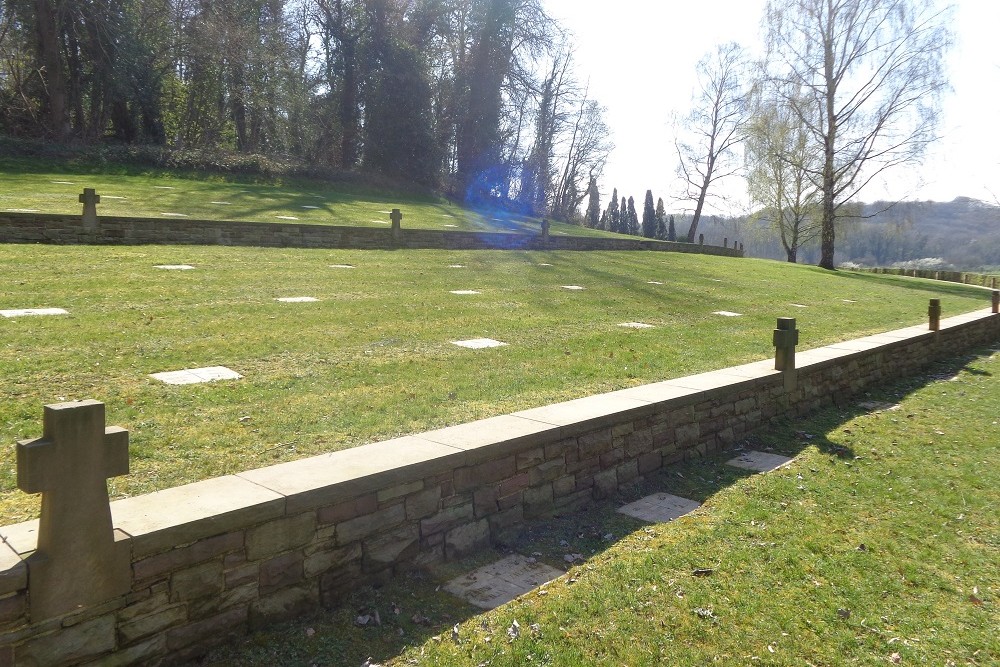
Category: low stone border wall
[214,559]
[70,230]
[963,277]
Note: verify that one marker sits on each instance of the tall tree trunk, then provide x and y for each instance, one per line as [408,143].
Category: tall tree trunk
[55,78]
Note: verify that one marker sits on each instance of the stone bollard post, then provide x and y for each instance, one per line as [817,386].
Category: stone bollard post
[934,313]
[397,232]
[785,338]
[725,242]
[701,239]
[996,301]
[80,561]
[90,199]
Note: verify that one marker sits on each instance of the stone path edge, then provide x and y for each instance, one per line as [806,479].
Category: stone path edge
[297,486]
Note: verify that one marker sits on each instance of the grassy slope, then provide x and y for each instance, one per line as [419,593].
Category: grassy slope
[373,358]
[878,545]
[49,188]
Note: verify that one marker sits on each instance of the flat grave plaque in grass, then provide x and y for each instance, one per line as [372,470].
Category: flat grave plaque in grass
[174,267]
[21,210]
[163,187]
[341,266]
[572,287]
[24,312]
[222,203]
[197,375]
[727,313]
[498,583]
[653,282]
[449,225]
[63,182]
[286,217]
[659,508]
[456,266]
[798,305]
[465,292]
[759,461]
[636,325]
[309,207]
[174,215]
[297,299]
[478,343]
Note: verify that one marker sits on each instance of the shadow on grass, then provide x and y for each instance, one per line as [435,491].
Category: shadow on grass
[918,284]
[412,609]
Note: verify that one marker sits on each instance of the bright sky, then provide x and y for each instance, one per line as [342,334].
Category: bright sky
[640,56]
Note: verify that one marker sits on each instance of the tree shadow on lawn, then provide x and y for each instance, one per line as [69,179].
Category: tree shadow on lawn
[918,284]
[412,609]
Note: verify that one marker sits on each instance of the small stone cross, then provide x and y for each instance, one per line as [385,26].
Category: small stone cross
[396,216]
[934,314]
[545,230]
[996,301]
[786,337]
[77,562]
[90,199]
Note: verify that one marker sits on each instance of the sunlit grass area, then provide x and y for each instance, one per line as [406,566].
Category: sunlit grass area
[373,358]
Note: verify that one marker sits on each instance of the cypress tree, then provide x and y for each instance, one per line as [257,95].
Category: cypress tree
[593,204]
[648,217]
[613,212]
[632,220]
[661,220]
[671,230]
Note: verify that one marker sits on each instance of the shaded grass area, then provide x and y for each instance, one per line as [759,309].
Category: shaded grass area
[877,545]
[27,185]
[373,359]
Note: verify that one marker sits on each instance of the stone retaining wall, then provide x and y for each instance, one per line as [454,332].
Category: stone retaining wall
[964,277]
[214,559]
[70,230]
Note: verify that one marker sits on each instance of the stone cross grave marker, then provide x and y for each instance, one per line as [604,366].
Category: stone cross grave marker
[90,199]
[77,562]
[934,315]
[397,217]
[545,230]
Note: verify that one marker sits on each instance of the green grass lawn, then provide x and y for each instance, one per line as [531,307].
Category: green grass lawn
[28,185]
[373,358]
[878,545]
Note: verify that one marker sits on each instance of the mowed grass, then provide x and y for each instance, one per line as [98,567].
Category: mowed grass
[47,188]
[373,358]
[878,545]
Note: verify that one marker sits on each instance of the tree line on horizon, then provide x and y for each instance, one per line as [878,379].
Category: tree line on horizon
[478,98]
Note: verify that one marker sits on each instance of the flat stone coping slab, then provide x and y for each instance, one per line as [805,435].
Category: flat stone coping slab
[478,343]
[499,583]
[297,299]
[586,412]
[727,313]
[22,312]
[464,292]
[636,325]
[759,461]
[499,434]
[174,267]
[197,375]
[659,508]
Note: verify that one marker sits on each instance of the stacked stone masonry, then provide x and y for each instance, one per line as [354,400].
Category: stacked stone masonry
[69,230]
[215,559]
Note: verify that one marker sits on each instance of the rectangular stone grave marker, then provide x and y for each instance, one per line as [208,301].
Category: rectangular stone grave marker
[23,312]
[798,305]
[174,267]
[297,299]
[659,508]
[341,266]
[310,207]
[498,583]
[653,282]
[78,561]
[175,215]
[636,325]
[286,217]
[572,287]
[163,187]
[759,461]
[478,343]
[456,266]
[63,182]
[197,375]
[22,210]
[464,292]
[727,313]
[222,203]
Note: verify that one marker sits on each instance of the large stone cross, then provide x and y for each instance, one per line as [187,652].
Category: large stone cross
[78,562]
[90,199]
[396,216]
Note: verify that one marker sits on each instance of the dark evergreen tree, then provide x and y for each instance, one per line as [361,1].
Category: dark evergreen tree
[648,216]
[631,225]
[671,230]
[593,204]
[661,220]
[613,212]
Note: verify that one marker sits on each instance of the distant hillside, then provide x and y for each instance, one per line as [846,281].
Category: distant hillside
[963,233]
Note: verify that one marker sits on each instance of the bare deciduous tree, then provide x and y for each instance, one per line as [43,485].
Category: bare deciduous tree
[870,74]
[714,127]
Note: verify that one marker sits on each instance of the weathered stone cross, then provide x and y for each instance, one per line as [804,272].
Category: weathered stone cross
[396,216]
[77,561]
[90,199]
